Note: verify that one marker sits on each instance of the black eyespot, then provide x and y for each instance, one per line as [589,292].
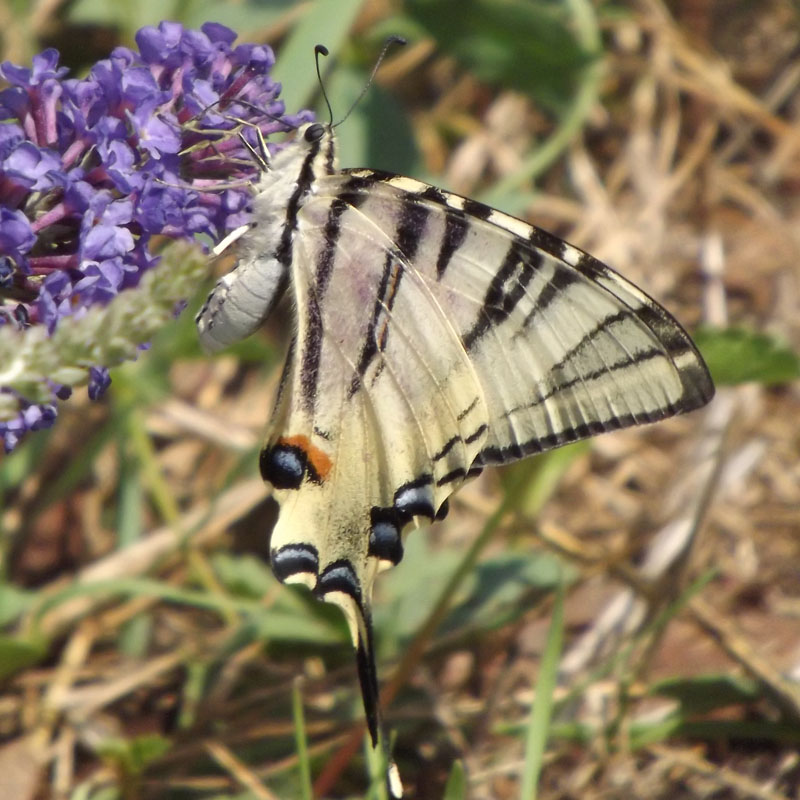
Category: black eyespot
[294,559]
[339,577]
[384,535]
[283,466]
[415,499]
[314,132]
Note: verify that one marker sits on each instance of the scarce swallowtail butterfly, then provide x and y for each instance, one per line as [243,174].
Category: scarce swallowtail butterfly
[433,336]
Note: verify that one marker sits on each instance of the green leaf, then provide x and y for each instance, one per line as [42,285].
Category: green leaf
[706,693]
[133,755]
[326,22]
[541,476]
[409,592]
[17,654]
[13,602]
[243,575]
[127,17]
[456,788]
[518,44]
[715,730]
[89,790]
[301,742]
[242,16]
[738,355]
[538,730]
[504,587]
[247,17]
[378,133]
[320,624]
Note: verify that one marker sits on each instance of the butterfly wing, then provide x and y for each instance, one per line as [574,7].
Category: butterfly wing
[435,336]
[563,346]
[379,411]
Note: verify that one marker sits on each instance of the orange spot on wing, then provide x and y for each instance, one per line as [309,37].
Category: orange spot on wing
[318,459]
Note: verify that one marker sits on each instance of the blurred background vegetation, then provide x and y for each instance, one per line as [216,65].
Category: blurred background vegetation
[147,651]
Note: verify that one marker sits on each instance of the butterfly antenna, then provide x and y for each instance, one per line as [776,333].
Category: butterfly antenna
[321,50]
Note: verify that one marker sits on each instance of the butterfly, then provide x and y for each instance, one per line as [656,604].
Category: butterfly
[433,336]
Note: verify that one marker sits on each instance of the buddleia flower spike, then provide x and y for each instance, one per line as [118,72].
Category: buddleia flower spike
[92,170]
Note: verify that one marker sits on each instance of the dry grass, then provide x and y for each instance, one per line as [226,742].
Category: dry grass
[691,164]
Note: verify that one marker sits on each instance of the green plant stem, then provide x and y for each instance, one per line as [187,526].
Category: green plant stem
[303,762]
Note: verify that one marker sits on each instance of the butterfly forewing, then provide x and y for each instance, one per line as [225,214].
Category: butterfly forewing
[563,347]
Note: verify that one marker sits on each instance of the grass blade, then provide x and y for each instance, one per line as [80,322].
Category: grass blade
[456,788]
[539,725]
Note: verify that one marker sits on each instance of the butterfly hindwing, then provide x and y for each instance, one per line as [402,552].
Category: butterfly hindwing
[381,398]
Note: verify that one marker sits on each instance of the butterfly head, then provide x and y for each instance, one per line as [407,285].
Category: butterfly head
[309,156]
[313,131]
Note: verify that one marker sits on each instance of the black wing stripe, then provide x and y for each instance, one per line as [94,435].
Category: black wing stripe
[384,299]
[453,441]
[475,209]
[456,226]
[453,475]
[435,194]
[561,385]
[673,345]
[538,444]
[284,252]
[548,242]
[558,283]
[448,446]
[476,434]
[312,347]
[469,408]
[355,188]
[666,329]
[501,298]
[410,229]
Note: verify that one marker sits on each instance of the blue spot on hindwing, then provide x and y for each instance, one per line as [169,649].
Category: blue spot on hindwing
[294,559]
[384,535]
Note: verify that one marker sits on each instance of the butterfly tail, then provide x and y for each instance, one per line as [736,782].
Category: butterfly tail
[368,679]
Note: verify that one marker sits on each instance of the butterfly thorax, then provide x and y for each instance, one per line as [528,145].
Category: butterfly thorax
[243,299]
[284,187]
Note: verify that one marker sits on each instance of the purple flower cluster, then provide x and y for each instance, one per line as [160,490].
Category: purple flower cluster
[91,169]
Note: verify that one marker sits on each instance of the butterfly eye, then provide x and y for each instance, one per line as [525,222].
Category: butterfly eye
[314,132]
